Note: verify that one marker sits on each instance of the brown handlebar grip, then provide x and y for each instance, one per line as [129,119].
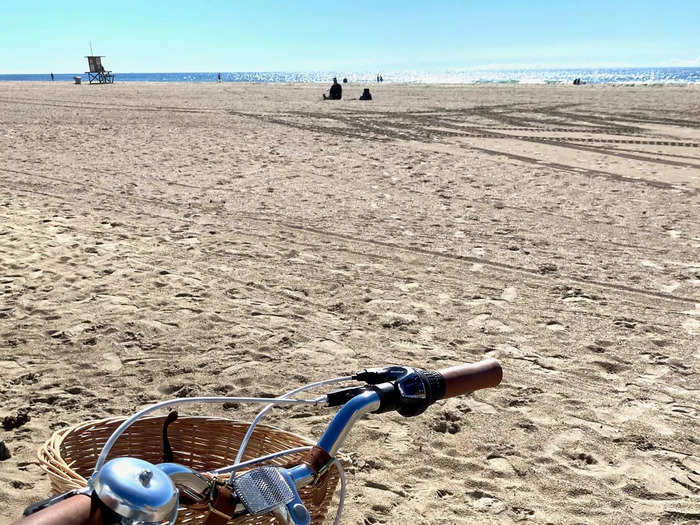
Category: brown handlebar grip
[462,379]
[76,510]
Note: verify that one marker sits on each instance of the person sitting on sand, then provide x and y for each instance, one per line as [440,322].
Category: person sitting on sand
[366,95]
[336,91]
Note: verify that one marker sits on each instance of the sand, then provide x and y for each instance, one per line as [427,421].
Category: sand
[182,239]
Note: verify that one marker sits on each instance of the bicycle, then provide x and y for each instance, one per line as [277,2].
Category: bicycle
[132,491]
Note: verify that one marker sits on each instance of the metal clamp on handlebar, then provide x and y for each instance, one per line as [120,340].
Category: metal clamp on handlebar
[410,393]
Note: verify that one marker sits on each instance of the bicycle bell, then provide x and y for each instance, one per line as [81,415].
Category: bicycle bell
[137,490]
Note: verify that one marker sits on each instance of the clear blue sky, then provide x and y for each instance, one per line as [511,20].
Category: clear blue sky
[304,35]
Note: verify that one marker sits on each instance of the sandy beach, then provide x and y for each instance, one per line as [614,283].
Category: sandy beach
[161,240]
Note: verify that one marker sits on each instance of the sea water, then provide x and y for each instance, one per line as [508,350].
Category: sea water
[648,75]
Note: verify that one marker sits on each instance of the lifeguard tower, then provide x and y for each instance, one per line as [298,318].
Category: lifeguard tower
[98,74]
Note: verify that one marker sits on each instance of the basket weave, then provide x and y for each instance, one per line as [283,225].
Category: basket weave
[201,443]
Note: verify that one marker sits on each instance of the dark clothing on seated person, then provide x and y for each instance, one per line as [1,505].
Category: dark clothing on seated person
[336,92]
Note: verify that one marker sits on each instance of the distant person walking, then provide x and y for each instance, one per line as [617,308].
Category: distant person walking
[51,77]
[219,78]
[336,91]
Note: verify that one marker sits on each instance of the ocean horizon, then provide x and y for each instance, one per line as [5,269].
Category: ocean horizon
[639,75]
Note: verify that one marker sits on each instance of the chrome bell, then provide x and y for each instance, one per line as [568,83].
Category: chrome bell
[136,490]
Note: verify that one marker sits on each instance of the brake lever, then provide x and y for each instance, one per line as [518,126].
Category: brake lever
[375,376]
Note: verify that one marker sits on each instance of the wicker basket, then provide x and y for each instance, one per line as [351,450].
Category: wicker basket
[201,443]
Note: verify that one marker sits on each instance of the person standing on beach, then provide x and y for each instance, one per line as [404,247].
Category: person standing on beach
[219,77]
[51,77]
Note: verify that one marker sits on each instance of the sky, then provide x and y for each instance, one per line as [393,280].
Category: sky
[378,35]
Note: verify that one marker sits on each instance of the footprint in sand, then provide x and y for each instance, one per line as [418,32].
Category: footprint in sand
[447,422]
[570,294]
[485,502]
[509,294]
[499,466]
[554,326]
[610,367]
[581,460]
[521,513]
[408,287]
[22,485]
[486,324]
[110,362]
[686,411]
[651,264]
[9,366]
[670,288]
[524,396]
[625,322]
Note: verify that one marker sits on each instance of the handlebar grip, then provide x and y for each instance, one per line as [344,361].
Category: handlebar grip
[462,379]
[76,510]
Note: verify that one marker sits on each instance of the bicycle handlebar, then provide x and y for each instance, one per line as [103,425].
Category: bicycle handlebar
[462,379]
[405,390]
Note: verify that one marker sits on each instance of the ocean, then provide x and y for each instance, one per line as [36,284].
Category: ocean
[643,75]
